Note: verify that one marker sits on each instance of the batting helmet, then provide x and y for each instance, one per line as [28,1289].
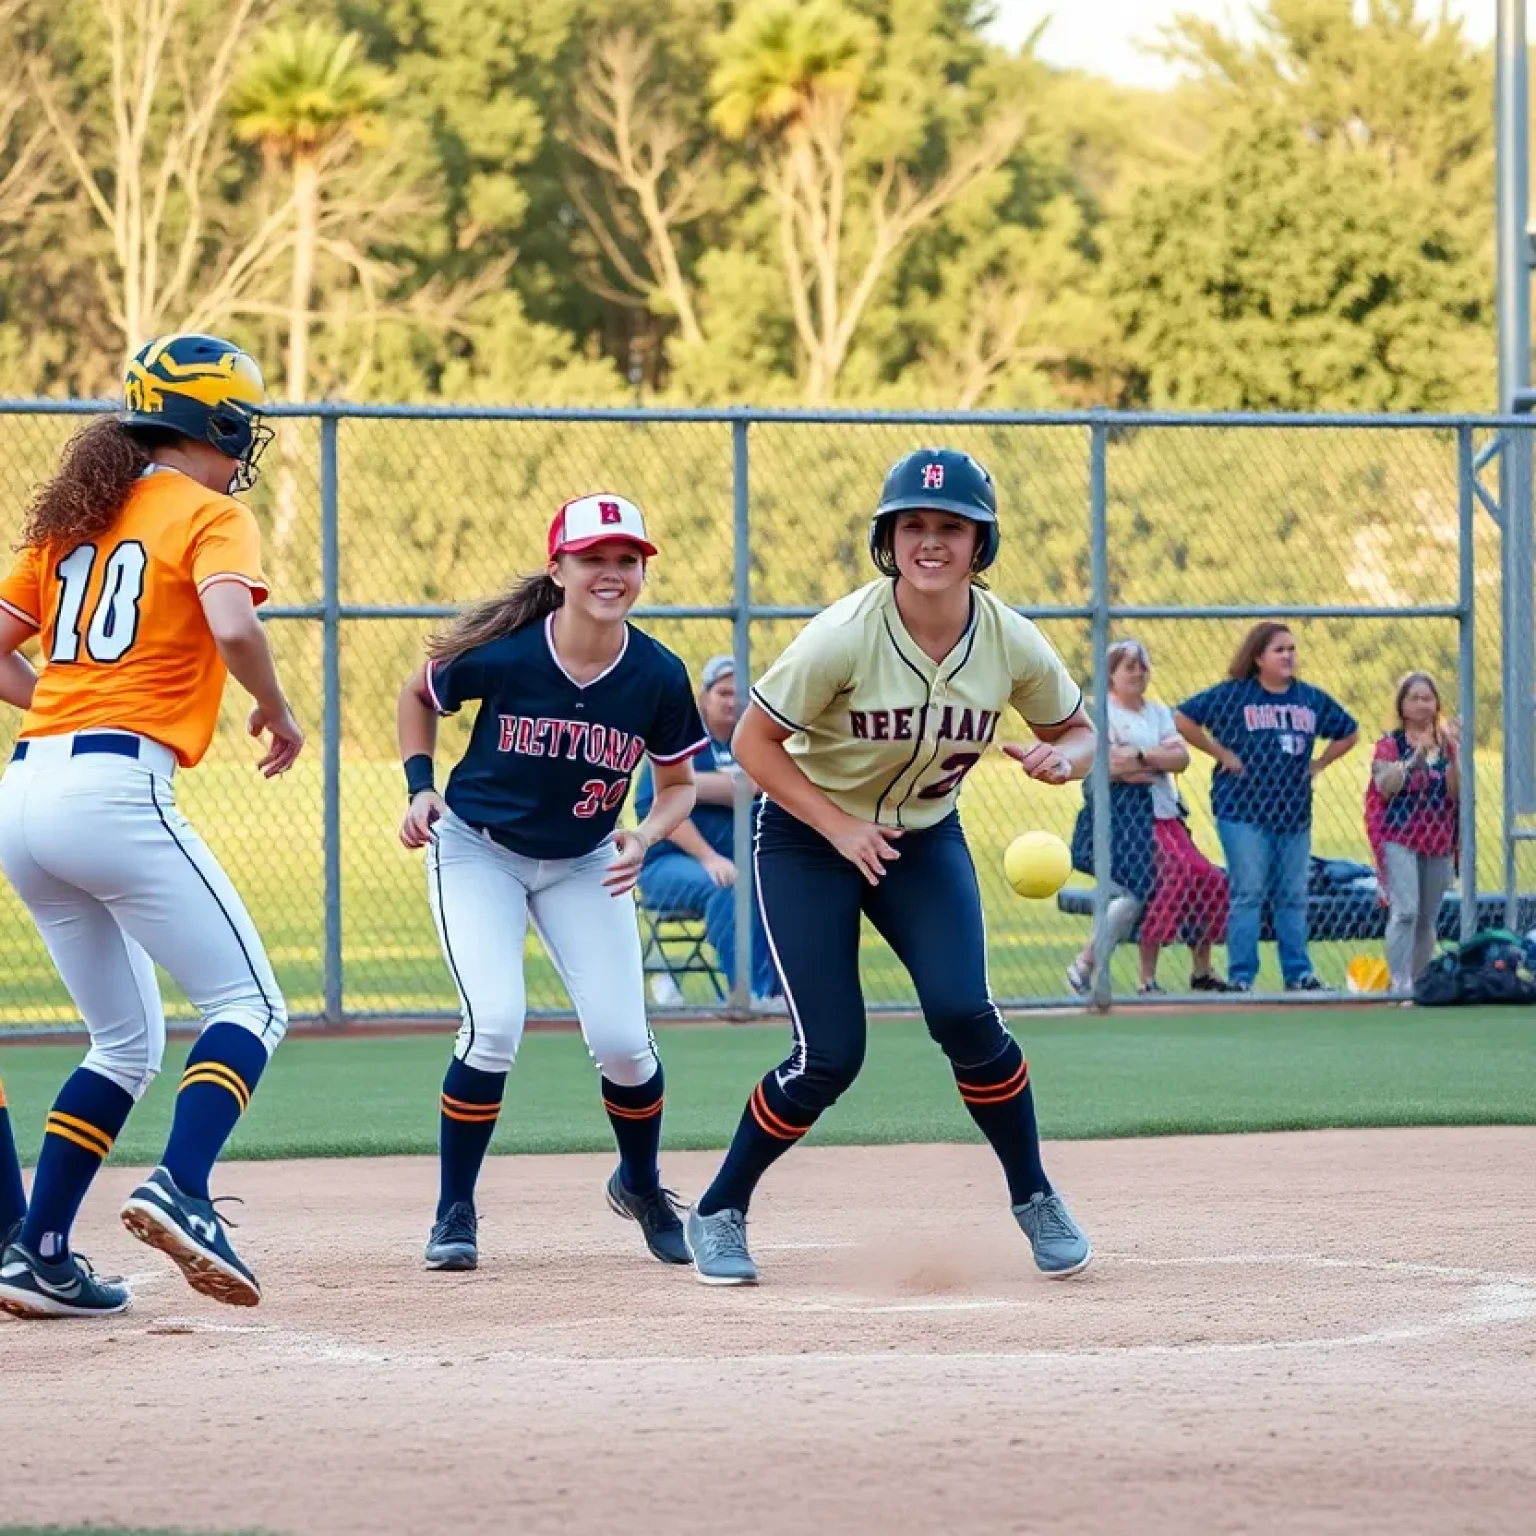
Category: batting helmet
[936,480]
[201,387]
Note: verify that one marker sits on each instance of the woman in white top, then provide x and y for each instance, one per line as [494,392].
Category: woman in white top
[1188,899]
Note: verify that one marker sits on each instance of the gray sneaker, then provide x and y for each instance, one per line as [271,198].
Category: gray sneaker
[1061,1247]
[718,1247]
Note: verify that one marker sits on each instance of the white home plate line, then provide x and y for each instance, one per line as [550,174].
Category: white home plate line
[1496,1299]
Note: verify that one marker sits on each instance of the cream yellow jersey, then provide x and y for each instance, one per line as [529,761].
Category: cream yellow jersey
[887,732]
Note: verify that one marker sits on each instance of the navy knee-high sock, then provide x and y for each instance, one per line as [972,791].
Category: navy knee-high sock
[635,1115]
[1002,1104]
[82,1125]
[471,1102]
[770,1125]
[13,1197]
[222,1071]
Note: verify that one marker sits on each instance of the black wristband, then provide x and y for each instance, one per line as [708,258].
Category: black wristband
[418,774]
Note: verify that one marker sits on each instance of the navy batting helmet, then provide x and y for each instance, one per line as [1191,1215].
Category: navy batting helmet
[936,480]
[201,387]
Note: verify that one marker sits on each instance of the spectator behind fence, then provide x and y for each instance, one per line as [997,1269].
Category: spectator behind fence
[692,871]
[1188,894]
[1260,726]
[1410,818]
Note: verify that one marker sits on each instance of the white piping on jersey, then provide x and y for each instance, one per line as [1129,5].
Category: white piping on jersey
[437,703]
[15,612]
[677,757]
[554,655]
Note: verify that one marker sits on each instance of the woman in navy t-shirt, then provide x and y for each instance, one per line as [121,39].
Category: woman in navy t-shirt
[1260,725]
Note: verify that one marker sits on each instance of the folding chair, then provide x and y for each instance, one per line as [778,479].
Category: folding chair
[677,945]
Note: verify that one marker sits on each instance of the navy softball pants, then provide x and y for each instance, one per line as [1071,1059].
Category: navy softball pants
[927,908]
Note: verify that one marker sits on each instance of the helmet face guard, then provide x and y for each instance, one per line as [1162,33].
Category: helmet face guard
[936,480]
[241,434]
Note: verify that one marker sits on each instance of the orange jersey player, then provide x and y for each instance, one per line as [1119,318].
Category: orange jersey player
[139,574]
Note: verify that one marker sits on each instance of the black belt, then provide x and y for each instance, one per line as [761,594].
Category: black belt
[109,742]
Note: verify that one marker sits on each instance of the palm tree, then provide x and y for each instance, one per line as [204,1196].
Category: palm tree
[305,98]
[780,56]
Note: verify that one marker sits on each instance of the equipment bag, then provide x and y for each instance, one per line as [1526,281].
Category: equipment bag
[1494,966]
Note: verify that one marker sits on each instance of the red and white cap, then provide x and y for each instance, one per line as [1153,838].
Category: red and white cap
[589,520]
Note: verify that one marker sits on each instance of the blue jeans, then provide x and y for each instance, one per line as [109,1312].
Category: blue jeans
[1264,864]
[675,881]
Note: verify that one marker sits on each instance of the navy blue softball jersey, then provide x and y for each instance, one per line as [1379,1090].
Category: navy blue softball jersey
[550,759]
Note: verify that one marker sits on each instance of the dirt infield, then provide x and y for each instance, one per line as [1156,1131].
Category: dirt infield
[1325,1333]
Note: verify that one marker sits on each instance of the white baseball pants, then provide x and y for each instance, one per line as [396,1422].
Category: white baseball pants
[116,879]
[483,897]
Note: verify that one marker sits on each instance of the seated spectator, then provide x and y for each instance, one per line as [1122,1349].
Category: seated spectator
[1260,725]
[1188,894]
[692,871]
[1410,818]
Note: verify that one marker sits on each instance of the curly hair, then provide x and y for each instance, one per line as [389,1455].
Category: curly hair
[86,493]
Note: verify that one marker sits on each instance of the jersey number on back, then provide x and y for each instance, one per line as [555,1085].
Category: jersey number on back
[114,624]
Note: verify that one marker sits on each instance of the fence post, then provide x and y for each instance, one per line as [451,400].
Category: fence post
[1466,684]
[330,723]
[1098,598]
[741,648]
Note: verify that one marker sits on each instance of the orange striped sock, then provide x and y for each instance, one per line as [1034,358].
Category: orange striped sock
[470,1106]
[635,1115]
[1001,1102]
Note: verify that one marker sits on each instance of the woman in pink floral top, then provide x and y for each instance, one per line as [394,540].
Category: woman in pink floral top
[1411,819]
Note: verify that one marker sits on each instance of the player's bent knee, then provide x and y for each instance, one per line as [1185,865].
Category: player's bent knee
[133,1069]
[628,1069]
[825,1078]
[489,1042]
[968,1036]
[265,1016]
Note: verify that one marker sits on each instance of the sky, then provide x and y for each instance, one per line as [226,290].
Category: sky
[1101,35]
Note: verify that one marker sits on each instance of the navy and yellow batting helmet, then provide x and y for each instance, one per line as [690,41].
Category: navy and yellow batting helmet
[201,387]
[936,480]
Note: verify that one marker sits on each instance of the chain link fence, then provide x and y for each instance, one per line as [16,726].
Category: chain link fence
[1364,536]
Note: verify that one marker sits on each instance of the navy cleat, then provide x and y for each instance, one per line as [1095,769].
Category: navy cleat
[191,1233]
[31,1287]
[657,1216]
[1061,1247]
[453,1244]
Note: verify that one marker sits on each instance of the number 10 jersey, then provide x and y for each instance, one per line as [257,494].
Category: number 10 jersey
[120,619]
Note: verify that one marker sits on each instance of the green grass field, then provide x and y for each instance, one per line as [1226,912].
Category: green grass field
[1122,1075]
[269,838]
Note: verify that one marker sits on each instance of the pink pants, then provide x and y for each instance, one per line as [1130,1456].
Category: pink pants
[1189,901]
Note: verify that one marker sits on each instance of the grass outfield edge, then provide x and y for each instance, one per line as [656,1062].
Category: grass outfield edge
[315,1027]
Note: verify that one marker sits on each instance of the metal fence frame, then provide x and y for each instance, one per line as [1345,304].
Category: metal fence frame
[1099,611]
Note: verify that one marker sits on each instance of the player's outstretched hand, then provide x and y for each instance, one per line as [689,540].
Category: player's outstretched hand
[868,846]
[624,868]
[719,869]
[425,809]
[287,738]
[1041,761]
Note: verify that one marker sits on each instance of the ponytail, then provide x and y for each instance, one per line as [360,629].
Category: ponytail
[531,599]
[100,466]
